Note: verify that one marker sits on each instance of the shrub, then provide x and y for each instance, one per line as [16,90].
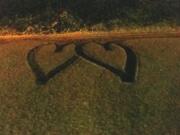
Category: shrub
[66,22]
[98,27]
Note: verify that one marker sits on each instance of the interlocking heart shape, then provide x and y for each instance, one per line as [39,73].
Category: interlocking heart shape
[127,74]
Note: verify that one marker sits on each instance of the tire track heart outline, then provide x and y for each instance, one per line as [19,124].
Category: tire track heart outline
[127,75]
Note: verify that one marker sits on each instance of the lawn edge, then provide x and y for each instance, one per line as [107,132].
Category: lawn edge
[91,35]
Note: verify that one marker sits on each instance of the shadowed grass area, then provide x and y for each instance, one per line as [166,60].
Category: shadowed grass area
[85,99]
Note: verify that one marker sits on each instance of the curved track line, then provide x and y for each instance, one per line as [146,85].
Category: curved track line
[128,74]
[41,77]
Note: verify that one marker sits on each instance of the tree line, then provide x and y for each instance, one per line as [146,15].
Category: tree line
[89,12]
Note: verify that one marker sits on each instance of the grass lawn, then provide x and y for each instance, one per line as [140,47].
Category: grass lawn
[40,97]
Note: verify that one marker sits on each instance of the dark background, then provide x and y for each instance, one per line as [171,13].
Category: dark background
[74,14]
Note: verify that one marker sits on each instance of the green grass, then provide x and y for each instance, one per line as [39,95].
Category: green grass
[87,100]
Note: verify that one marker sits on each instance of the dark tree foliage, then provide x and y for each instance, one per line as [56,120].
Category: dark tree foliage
[94,11]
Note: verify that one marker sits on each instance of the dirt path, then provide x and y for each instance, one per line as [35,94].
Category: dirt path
[90,35]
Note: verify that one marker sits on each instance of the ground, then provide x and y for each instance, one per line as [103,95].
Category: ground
[99,86]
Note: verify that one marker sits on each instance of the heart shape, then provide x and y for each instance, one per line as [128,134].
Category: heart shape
[43,77]
[126,71]
[126,74]
[114,56]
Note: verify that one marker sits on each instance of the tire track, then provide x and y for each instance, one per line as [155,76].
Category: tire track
[128,74]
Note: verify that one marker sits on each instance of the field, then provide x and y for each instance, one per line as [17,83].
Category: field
[90,87]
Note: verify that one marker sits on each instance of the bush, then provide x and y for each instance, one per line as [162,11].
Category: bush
[66,22]
[21,24]
[98,27]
